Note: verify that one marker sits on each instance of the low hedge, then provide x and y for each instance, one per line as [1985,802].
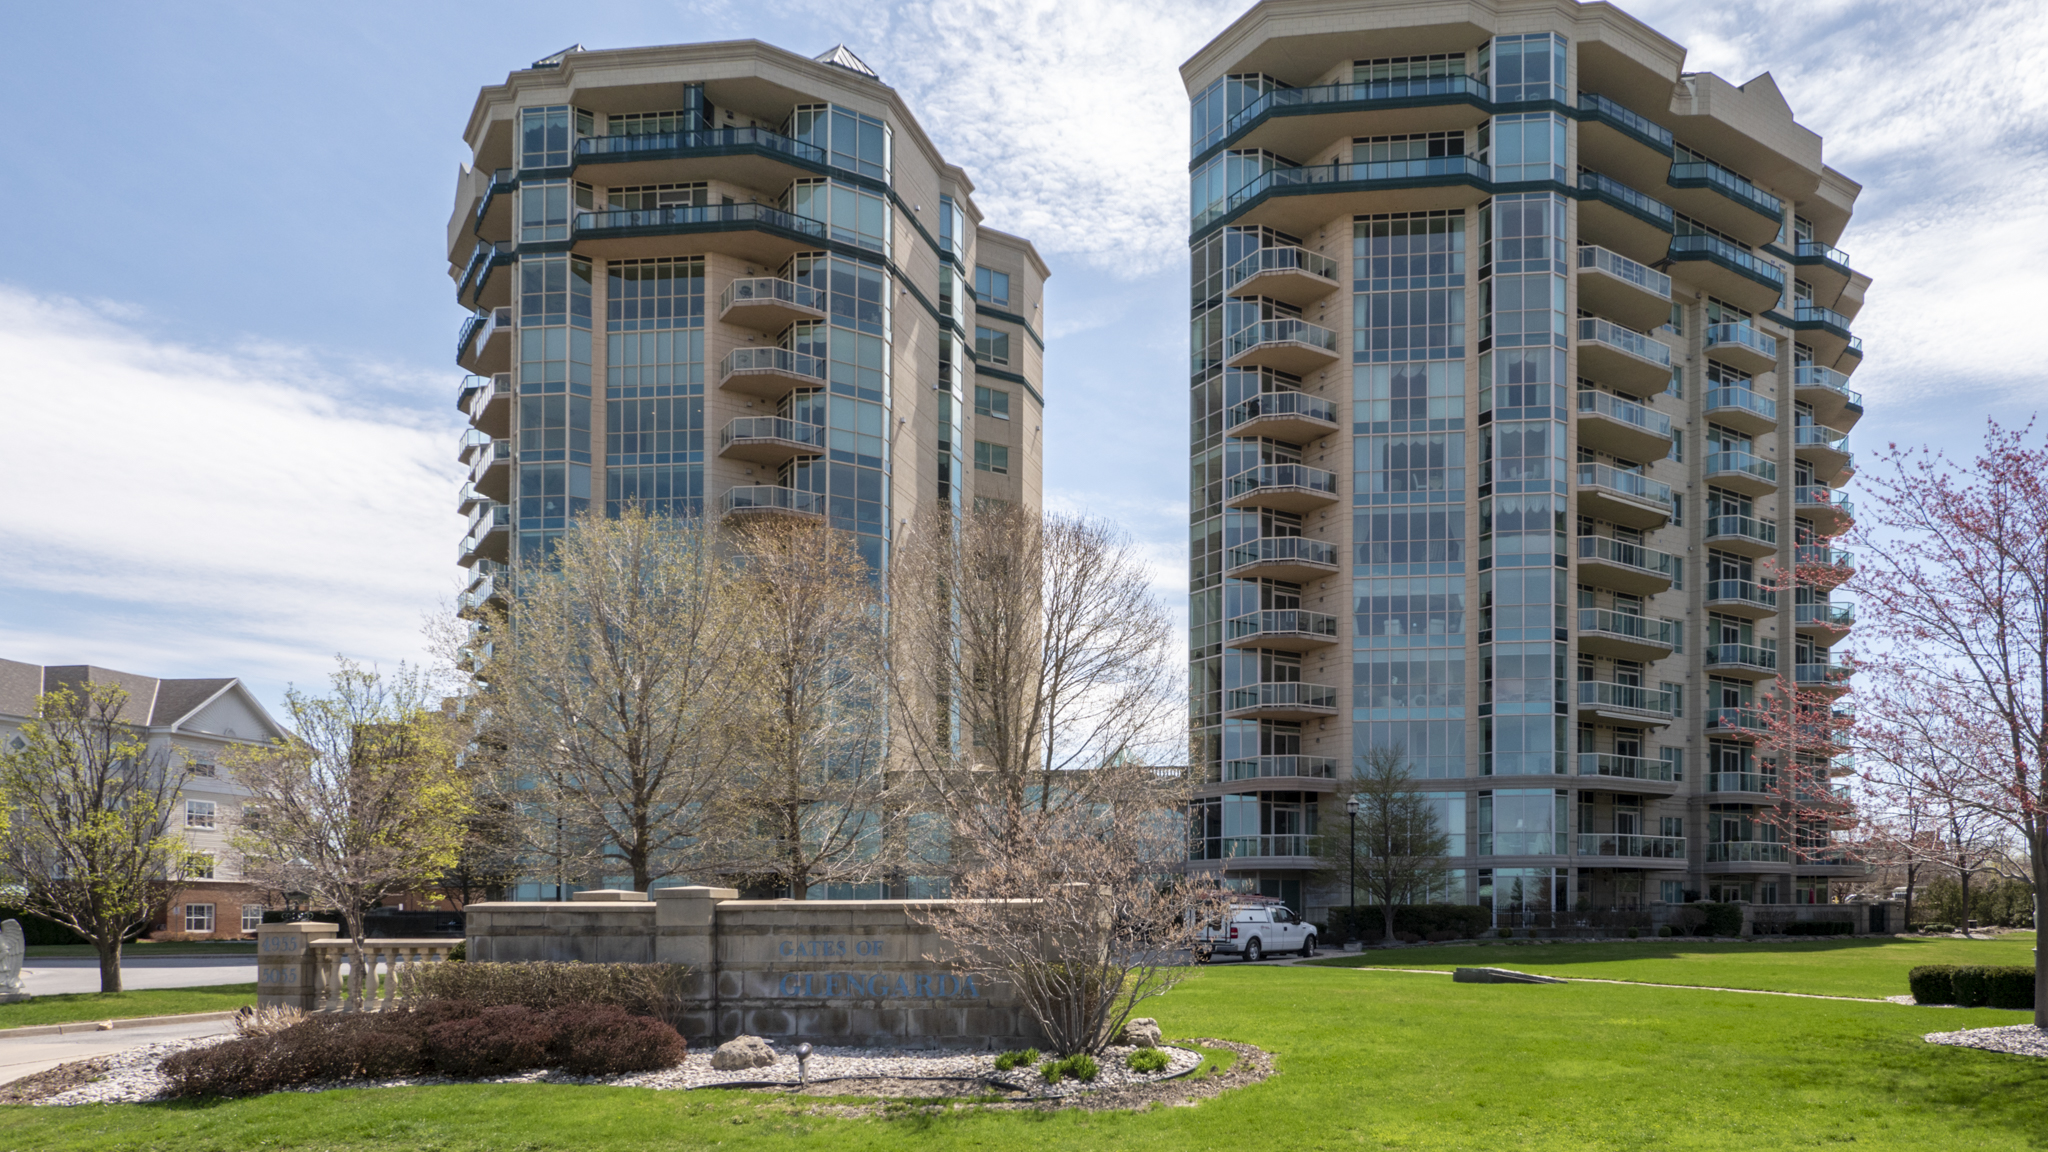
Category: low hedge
[1807,928]
[1701,918]
[1423,921]
[36,930]
[1973,985]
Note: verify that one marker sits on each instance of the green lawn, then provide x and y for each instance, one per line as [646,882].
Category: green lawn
[1840,966]
[133,949]
[83,1006]
[1383,1061]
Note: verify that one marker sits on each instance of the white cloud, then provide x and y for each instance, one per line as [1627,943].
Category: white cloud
[249,512]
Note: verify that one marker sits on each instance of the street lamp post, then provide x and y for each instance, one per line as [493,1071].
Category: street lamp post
[1351,809]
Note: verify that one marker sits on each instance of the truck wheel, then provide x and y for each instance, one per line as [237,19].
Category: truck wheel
[1308,946]
[1253,953]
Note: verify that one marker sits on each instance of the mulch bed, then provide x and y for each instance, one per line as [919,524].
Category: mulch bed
[49,1082]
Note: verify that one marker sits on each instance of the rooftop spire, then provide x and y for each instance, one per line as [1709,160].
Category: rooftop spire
[842,56]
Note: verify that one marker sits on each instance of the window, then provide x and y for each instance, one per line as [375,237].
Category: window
[647,197]
[989,505]
[991,457]
[252,917]
[991,402]
[992,345]
[199,813]
[545,140]
[1671,891]
[991,285]
[199,866]
[198,917]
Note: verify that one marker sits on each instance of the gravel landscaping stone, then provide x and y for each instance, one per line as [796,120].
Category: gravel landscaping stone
[2017,1039]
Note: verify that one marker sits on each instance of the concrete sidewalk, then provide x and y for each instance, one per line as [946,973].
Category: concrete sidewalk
[26,1055]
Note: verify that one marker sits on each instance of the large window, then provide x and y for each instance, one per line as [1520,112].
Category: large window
[853,215]
[199,813]
[849,139]
[991,402]
[1522,822]
[546,206]
[991,457]
[252,917]
[199,866]
[198,917]
[545,139]
[992,286]
[992,345]
[1525,68]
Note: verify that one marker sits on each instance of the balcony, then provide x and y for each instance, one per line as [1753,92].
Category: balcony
[1742,409]
[1297,121]
[1745,661]
[1627,498]
[1603,632]
[1300,200]
[1742,598]
[1288,700]
[1294,275]
[1284,487]
[1632,847]
[770,440]
[1295,559]
[487,400]
[1740,723]
[1826,331]
[770,303]
[1622,427]
[1624,703]
[1822,265]
[1627,773]
[1827,448]
[1829,621]
[1296,347]
[1754,785]
[1742,472]
[750,500]
[1724,201]
[759,233]
[1615,139]
[1748,852]
[480,282]
[1823,566]
[770,373]
[1822,677]
[1281,629]
[1616,216]
[1622,359]
[1727,271]
[1292,417]
[750,157]
[1621,289]
[1624,567]
[488,536]
[1281,768]
[1743,346]
[1260,851]
[1834,402]
[484,346]
[490,471]
[494,206]
[1831,514]
[1743,535]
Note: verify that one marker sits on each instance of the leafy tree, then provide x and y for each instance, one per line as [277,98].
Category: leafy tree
[1401,846]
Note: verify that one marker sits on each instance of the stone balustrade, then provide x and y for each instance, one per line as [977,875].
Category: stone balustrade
[300,966]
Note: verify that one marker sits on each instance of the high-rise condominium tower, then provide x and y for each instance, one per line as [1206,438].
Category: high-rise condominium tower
[727,280]
[1533,347]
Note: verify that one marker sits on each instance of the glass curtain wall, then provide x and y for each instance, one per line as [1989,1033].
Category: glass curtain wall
[654,385]
[554,398]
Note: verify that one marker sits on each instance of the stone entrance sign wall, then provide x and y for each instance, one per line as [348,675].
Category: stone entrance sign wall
[832,971]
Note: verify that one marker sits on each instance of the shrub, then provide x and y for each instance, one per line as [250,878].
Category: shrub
[2012,986]
[1664,930]
[1440,936]
[1807,928]
[266,1021]
[646,989]
[1506,933]
[371,1044]
[1972,988]
[1022,1058]
[602,1040]
[494,1042]
[36,930]
[1081,1066]
[1407,937]
[1936,928]
[458,953]
[1713,919]
[1463,921]
[1147,1060]
[1052,1071]
[1933,983]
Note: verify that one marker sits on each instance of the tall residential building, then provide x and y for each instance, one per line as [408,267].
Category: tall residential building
[723,279]
[1534,346]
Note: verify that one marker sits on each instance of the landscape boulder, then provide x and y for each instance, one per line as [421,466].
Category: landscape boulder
[1140,1032]
[1499,976]
[743,1052]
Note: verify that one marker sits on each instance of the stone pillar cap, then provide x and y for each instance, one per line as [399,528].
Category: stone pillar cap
[693,892]
[607,894]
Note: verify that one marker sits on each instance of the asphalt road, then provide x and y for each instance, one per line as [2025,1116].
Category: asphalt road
[27,1055]
[55,977]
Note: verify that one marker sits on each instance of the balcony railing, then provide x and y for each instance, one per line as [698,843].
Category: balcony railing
[1237,847]
[1608,110]
[1817,496]
[1621,193]
[1820,376]
[1287,258]
[630,220]
[773,498]
[1825,615]
[1263,767]
[772,428]
[717,138]
[1267,476]
[1622,268]
[772,289]
[1723,252]
[1280,404]
[1822,554]
[1815,250]
[1742,463]
[1408,88]
[1814,314]
[1820,436]
[1633,484]
[772,360]
[1627,411]
[1742,782]
[1283,331]
[1598,331]
[1281,549]
[1742,656]
[1282,694]
[1282,622]
[1742,591]
[1623,844]
[1633,627]
[1742,528]
[1748,852]
[1741,336]
[1628,697]
[1624,767]
[1368,173]
[1742,719]
[1744,399]
[1627,555]
[1820,675]
[1735,186]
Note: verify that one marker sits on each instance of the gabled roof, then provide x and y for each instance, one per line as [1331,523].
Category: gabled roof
[177,699]
[155,704]
[841,56]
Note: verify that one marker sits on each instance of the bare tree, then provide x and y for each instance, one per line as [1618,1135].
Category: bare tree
[89,838]
[611,692]
[1026,647]
[807,800]
[1401,847]
[364,800]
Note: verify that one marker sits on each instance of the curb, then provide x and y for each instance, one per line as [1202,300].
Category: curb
[94,1025]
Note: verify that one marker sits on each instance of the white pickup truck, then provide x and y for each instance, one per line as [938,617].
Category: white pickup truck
[1254,930]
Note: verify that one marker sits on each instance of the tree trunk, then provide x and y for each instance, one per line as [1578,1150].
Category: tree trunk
[110,963]
[359,981]
[1963,876]
[1387,907]
[2040,855]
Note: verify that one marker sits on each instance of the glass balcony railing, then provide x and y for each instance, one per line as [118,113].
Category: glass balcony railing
[1628,555]
[1283,331]
[655,220]
[1819,436]
[1408,88]
[1742,720]
[1282,622]
[1625,767]
[773,428]
[780,360]
[1742,463]
[1641,628]
[1624,844]
[1627,411]
[1281,404]
[1240,847]
[1748,852]
[1715,248]
[772,290]
[1742,592]
[1815,250]
[1281,550]
[1742,655]
[1428,167]
[1742,528]
[1728,182]
[1742,782]
[636,144]
[1822,555]
[1743,399]
[1821,675]
[1814,314]
[1598,331]
[1741,336]
[1825,615]
[1264,767]
[1622,268]
[1633,484]
[1283,259]
[1629,121]
[1817,497]
[1267,476]
[1627,697]
[1284,694]
[773,498]
[1818,376]
[1626,196]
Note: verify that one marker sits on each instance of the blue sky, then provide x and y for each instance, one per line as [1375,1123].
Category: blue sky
[226,408]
